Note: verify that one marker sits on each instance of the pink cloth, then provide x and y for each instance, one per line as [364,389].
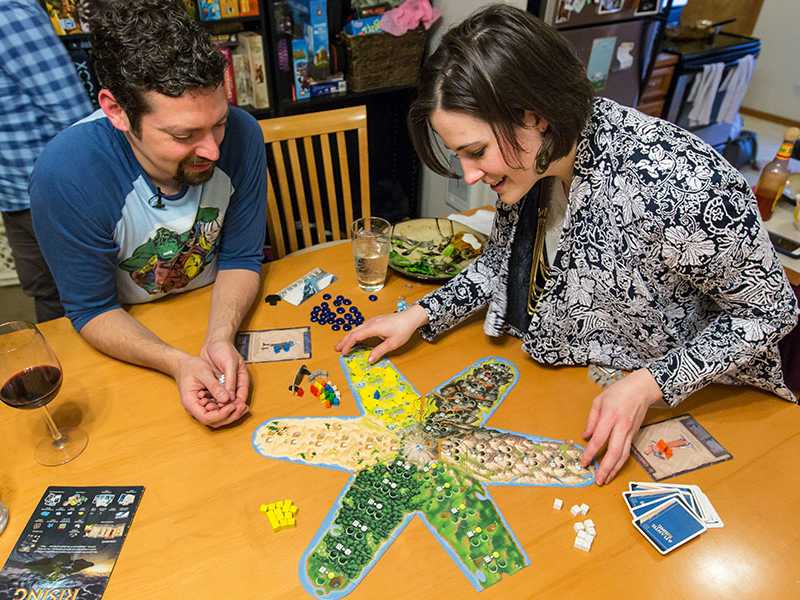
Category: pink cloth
[408,16]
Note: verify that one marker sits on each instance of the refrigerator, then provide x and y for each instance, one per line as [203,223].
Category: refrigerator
[615,39]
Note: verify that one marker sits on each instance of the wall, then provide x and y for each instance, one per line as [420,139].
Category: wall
[775,87]
[435,187]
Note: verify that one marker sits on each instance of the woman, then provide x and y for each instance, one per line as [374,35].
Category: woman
[620,240]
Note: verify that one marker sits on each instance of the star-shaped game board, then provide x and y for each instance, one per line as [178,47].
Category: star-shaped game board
[419,455]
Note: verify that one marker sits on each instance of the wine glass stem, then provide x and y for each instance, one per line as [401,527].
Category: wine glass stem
[51,425]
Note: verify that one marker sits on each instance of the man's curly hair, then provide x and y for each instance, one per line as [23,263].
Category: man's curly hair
[151,45]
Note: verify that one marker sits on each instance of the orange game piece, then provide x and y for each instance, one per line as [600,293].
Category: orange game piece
[664,448]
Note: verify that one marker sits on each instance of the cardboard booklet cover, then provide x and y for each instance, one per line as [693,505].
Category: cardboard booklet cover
[70,544]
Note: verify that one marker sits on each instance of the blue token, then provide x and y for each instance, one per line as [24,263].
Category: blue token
[326,296]
[353,309]
[347,302]
[339,321]
[335,327]
[347,327]
[373,298]
[314,319]
[340,310]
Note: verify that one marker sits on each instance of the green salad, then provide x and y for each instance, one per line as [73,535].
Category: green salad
[436,259]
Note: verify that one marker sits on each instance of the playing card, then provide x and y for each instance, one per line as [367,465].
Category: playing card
[272,345]
[306,286]
[642,509]
[669,525]
[699,501]
[675,446]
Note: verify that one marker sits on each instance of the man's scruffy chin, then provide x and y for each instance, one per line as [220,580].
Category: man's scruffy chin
[190,177]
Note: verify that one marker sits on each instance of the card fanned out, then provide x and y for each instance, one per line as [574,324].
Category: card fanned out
[668,515]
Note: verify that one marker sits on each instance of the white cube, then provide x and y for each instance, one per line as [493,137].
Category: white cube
[584,508]
[578,527]
[558,503]
[582,544]
[588,523]
[575,510]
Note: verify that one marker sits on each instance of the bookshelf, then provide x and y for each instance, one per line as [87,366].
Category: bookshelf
[394,167]
[79,43]
[395,170]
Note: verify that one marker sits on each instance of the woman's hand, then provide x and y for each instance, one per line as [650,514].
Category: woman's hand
[394,329]
[615,418]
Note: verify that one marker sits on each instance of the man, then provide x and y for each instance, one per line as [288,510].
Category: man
[160,191]
[40,94]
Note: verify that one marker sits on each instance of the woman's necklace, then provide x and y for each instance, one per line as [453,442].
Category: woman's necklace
[539,267]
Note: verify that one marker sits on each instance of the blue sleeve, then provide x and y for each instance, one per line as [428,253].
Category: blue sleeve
[75,232]
[35,56]
[245,226]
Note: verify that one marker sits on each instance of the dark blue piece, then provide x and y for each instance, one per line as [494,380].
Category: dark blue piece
[326,296]
[347,327]
[347,302]
[372,297]
[340,310]
[335,327]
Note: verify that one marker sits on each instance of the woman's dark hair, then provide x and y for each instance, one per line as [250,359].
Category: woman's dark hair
[151,45]
[494,66]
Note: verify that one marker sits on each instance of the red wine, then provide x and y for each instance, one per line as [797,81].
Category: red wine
[32,388]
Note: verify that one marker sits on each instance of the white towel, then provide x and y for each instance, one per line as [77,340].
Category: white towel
[735,86]
[704,91]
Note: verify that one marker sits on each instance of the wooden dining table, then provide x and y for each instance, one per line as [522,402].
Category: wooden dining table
[199,534]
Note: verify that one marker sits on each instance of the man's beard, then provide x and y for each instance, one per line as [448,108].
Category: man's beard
[187,177]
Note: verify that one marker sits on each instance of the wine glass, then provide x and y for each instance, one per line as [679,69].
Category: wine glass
[30,376]
[3,517]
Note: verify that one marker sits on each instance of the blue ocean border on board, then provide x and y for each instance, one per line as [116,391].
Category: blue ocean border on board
[329,518]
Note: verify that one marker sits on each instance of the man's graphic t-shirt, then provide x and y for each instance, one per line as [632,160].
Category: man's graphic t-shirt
[111,238]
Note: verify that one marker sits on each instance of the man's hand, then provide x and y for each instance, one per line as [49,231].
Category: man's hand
[226,360]
[615,418]
[202,395]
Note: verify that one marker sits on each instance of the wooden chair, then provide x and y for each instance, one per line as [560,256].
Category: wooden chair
[332,210]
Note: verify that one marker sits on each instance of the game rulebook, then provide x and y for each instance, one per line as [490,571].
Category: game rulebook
[70,544]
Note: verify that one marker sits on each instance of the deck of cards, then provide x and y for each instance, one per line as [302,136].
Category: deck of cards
[668,515]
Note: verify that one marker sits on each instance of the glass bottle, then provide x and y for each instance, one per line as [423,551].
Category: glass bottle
[773,178]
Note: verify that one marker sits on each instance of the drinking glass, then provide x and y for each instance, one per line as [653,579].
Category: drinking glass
[371,241]
[30,375]
[3,517]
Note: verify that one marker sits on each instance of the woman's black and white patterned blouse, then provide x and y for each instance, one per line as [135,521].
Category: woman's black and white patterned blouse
[663,263]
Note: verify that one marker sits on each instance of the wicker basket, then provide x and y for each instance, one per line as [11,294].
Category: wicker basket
[382,60]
